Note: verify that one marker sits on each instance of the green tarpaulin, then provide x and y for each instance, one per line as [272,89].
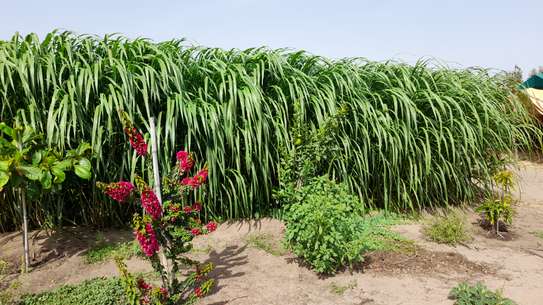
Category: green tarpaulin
[535,81]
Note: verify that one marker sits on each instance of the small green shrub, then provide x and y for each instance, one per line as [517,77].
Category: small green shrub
[478,294]
[448,229]
[321,227]
[326,229]
[498,211]
[103,252]
[99,291]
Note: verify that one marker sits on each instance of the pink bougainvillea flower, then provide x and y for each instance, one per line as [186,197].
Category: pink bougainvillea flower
[164,292]
[195,231]
[197,207]
[201,176]
[150,203]
[137,141]
[119,191]
[211,226]
[187,209]
[143,285]
[185,161]
[197,180]
[198,292]
[147,240]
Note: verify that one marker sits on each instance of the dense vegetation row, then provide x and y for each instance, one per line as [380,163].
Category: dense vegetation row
[403,136]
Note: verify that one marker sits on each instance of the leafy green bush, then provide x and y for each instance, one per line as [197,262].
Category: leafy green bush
[478,294]
[448,229]
[321,227]
[99,291]
[326,229]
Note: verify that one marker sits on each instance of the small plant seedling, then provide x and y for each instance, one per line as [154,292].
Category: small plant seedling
[538,234]
[340,289]
[266,243]
[478,294]
[448,229]
[207,249]
[498,211]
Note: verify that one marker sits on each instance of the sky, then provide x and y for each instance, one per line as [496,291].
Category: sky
[496,34]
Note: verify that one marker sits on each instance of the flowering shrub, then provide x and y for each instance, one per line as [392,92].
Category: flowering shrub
[165,230]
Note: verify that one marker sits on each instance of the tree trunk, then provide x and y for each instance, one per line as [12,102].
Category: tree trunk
[25,231]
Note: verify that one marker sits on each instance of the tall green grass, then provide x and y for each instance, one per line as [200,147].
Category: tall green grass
[414,136]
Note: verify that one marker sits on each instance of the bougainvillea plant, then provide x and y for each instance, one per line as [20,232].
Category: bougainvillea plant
[165,230]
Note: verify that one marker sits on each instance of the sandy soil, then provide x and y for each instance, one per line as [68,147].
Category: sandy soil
[246,275]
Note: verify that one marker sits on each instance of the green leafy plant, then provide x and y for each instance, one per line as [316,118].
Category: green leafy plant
[322,228]
[448,229]
[498,211]
[28,167]
[99,291]
[478,294]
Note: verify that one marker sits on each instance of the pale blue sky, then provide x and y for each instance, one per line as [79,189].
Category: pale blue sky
[494,34]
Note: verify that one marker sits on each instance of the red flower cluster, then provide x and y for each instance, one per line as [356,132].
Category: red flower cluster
[185,161]
[211,226]
[143,285]
[195,231]
[198,292]
[197,180]
[148,241]
[187,209]
[119,191]
[137,141]
[197,207]
[150,203]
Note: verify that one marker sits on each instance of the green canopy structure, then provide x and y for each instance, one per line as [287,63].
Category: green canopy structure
[535,81]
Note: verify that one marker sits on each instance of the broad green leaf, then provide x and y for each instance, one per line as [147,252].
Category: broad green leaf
[59,174]
[36,157]
[83,169]
[5,164]
[30,172]
[83,148]
[63,165]
[46,180]
[6,129]
[4,179]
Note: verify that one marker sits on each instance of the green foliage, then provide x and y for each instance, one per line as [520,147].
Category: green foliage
[326,229]
[103,252]
[24,159]
[266,242]
[99,291]
[478,294]
[448,229]
[410,136]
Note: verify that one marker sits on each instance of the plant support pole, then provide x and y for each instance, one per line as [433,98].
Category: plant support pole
[164,260]
[154,154]
[25,231]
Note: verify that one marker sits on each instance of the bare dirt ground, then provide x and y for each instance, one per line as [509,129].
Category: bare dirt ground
[246,275]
